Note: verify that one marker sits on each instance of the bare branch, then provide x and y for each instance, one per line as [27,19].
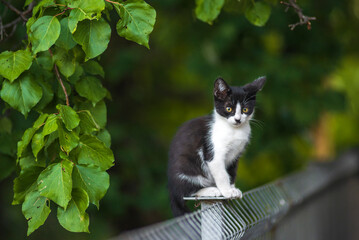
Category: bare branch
[303,19]
[13,24]
[14,9]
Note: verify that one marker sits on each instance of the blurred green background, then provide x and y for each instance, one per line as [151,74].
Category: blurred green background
[307,110]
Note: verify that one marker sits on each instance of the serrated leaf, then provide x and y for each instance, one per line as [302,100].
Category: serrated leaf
[105,137]
[137,21]
[93,36]
[99,112]
[258,13]
[68,116]
[94,152]
[55,182]
[27,136]
[208,10]
[68,139]
[50,125]
[75,218]
[93,180]
[76,16]
[94,68]
[65,61]
[25,183]
[91,88]
[65,39]
[12,64]
[35,210]
[30,161]
[87,123]
[44,33]
[37,143]
[22,94]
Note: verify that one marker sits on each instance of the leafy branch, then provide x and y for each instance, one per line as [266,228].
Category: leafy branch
[303,19]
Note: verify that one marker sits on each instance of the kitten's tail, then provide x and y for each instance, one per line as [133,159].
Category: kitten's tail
[178,206]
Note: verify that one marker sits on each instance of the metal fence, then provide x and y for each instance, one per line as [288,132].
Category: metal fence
[321,202]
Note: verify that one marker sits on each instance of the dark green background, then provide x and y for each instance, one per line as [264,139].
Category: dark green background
[310,102]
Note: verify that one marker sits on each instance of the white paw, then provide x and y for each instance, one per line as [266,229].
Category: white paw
[208,192]
[231,193]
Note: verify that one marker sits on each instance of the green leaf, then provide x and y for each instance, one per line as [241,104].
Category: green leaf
[47,94]
[91,88]
[30,161]
[94,152]
[65,61]
[258,13]
[60,91]
[93,180]
[94,68]
[84,9]
[44,33]
[208,10]
[22,94]
[137,21]
[65,39]
[55,182]
[93,36]
[25,183]
[69,116]
[35,210]
[99,112]
[74,218]
[87,123]
[68,139]
[50,125]
[37,143]
[105,137]
[26,138]
[90,7]
[76,16]
[12,64]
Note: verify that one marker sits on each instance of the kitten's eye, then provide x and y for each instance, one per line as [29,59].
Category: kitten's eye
[245,110]
[228,109]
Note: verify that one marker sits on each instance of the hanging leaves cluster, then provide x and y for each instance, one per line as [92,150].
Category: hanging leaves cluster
[64,156]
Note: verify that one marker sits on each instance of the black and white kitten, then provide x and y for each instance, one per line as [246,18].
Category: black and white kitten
[204,153]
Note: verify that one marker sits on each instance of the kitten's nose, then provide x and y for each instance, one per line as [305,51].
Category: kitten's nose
[238,120]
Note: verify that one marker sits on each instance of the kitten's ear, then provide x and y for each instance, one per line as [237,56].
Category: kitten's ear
[255,86]
[221,89]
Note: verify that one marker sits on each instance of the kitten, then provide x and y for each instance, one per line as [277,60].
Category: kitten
[204,153]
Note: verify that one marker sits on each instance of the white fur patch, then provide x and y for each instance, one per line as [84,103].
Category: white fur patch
[196,180]
[208,192]
[228,142]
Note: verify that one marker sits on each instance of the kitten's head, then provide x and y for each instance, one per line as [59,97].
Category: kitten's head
[236,104]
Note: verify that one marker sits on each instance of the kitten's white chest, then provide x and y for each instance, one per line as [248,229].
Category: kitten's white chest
[229,141]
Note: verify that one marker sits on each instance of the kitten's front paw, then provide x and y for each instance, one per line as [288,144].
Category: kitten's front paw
[232,193]
[208,192]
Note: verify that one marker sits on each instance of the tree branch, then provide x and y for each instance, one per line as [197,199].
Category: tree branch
[13,24]
[14,9]
[60,81]
[303,19]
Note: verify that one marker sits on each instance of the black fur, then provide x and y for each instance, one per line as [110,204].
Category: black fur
[194,135]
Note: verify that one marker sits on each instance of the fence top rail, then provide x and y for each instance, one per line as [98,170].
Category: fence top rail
[256,212]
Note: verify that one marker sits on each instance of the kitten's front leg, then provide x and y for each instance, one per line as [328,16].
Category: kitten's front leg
[221,178]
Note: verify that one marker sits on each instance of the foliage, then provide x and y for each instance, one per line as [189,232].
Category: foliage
[62,157]
[153,93]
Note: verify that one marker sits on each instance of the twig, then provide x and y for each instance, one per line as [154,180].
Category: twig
[14,9]
[60,81]
[13,24]
[303,19]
